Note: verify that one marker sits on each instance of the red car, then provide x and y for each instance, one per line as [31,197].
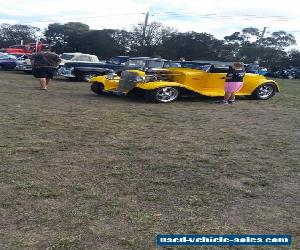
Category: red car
[26,49]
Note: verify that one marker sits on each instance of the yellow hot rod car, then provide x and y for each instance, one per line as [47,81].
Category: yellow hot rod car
[166,85]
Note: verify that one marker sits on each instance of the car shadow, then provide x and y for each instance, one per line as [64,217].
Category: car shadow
[140,98]
[184,99]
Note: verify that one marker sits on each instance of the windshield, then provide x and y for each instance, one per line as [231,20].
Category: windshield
[117,60]
[155,64]
[6,57]
[172,65]
[67,56]
[136,63]
[205,67]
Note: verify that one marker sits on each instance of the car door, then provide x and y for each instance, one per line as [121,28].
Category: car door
[216,80]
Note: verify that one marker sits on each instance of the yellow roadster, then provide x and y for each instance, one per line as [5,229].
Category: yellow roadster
[166,85]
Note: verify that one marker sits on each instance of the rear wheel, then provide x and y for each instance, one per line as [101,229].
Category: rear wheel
[3,67]
[264,92]
[162,95]
[97,88]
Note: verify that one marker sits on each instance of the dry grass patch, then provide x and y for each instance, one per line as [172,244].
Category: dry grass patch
[80,171]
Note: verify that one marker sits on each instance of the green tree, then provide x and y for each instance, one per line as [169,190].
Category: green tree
[191,45]
[147,44]
[124,40]
[249,45]
[244,37]
[11,34]
[267,56]
[65,37]
[55,35]
[101,43]
[279,40]
[294,58]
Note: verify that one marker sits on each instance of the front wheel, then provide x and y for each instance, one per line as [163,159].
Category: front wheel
[162,95]
[264,92]
[97,88]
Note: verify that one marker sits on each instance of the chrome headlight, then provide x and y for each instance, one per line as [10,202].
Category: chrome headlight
[139,79]
[111,76]
[145,79]
[150,78]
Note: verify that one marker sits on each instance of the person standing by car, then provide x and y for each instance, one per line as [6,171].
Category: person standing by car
[44,64]
[233,82]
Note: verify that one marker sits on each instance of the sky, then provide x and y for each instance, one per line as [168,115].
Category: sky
[217,17]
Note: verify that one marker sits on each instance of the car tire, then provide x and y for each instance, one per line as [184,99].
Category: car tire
[264,91]
[3,67]
[162,95]
[97,88]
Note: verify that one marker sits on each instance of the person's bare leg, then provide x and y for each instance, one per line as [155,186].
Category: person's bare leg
[227,96]
[47,81]
[43,83]
[232,97]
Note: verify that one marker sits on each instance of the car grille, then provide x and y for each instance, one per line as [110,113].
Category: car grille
[128,81]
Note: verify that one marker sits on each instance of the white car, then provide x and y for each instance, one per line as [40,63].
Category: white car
[21,60]
[77,57]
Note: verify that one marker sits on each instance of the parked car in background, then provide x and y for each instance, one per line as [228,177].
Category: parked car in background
[116,65]
[21,61]
[77,57]
[147,64]
[291,73]
[26,66]
[83,71]
[166,85]
[7,61]
[66,57]
[26,49]
[260,70]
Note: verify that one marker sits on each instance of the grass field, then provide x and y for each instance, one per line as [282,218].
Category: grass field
[79,171]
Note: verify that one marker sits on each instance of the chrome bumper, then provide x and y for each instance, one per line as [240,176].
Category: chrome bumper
[66,72]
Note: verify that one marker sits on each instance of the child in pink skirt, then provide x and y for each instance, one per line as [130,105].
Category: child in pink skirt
[233,82]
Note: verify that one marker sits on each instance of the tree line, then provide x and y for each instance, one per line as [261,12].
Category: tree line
[246,45]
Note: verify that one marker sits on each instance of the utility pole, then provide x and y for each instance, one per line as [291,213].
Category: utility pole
[36,45]
[260,40]
[262,35]
[144,28]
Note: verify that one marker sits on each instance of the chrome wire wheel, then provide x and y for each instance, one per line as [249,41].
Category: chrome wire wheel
[266,91]
[167,94]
